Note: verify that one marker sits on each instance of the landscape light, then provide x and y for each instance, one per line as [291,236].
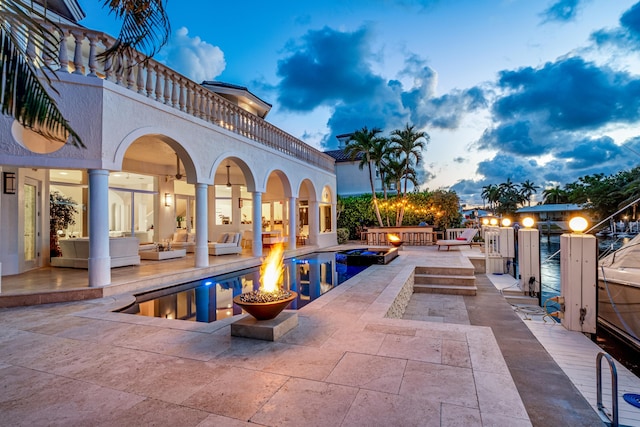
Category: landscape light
[578,224]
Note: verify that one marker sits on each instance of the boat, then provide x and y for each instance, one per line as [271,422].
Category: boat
[605,232]
[619,292]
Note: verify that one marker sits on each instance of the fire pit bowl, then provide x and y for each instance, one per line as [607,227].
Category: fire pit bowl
[396,243]
[265,310]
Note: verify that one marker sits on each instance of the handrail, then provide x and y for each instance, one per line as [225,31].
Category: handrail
[79,52]
[614,387]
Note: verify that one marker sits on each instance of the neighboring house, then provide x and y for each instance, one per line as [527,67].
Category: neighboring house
[162,153]
[352,180]
[552,216]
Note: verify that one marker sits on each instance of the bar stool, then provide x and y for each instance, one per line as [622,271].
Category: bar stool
[407,238]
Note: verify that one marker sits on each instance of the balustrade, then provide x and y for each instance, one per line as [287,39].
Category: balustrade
[161,84]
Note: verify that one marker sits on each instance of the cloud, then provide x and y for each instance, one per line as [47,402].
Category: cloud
[193,57]
[326,67]
[334,69]
[626,36]
[561,11]
[569,94]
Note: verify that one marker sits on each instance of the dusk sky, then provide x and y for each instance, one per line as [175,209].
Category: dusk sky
[545,90]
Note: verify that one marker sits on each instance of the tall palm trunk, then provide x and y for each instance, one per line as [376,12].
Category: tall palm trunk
[374,198]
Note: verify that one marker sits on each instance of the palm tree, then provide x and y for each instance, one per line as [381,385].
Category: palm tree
[410,144]
[528,189]
[554,195]
[24,86]
[361,144]
[491,192]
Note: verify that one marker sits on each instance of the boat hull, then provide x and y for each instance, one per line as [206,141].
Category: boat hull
[619,306]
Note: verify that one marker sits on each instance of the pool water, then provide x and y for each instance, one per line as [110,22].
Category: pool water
[211,299]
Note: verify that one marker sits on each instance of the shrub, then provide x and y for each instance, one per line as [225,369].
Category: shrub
[343,235]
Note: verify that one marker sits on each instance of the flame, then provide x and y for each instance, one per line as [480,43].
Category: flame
[393,238]
[272,269]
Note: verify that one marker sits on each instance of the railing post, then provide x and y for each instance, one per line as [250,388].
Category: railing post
[93,63]
[63,54]
[77,53]
[614,387]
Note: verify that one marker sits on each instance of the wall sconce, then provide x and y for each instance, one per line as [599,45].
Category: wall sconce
[240,203]
[9,182]
[168,199]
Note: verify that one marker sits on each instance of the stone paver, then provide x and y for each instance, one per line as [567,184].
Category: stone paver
[346,364]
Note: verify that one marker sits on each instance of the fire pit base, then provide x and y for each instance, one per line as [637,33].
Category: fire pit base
[267,330]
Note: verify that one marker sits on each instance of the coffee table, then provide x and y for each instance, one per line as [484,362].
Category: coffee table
[162,255]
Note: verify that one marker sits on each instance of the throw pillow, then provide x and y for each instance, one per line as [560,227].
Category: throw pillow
[460,238]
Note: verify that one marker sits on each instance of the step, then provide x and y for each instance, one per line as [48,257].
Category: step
[439,279]
[456,271]
[445,289]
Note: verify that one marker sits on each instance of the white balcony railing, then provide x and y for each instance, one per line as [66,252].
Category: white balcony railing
[79,51]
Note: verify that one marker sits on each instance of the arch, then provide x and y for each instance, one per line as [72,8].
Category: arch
[173,141]
[249,177]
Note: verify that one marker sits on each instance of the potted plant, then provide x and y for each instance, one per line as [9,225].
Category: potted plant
[180,219]
[61,215]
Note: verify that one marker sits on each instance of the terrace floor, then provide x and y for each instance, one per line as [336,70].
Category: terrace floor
[354,359]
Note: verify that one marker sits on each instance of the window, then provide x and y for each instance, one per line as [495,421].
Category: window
[325,218]
[224,206]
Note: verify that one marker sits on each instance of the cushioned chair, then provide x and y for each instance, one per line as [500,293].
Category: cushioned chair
[183,240]
[228,243]
[465,239]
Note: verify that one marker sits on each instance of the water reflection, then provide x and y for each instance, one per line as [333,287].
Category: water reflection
[550,263]
[211,299]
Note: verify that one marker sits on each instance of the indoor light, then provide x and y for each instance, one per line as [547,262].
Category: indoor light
[578,224]
[506,222]
[493,221]
[168,199]
[527,222]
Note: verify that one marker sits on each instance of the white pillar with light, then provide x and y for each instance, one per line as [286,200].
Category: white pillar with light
[293,222]
[578,264]
[99,256]
[529,258]
[256,247]
[507,245]
[202,228]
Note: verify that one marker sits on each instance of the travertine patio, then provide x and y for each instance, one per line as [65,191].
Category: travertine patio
[347,363]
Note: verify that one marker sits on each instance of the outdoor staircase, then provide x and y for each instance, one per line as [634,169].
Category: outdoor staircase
[445,280]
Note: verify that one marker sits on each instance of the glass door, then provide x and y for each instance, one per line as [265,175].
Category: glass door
[31,228]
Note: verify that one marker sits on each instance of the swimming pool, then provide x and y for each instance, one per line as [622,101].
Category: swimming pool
[211,299]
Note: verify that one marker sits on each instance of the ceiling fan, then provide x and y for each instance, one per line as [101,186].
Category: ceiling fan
[229,184]
[178,176]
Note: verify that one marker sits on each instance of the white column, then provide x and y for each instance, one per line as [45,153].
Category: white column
[293,222]
[314,222]
[578,281]
[529,260]
[257,224]
[99,257]
[202,229]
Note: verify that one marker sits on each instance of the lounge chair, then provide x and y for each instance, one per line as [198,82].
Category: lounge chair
[466,238]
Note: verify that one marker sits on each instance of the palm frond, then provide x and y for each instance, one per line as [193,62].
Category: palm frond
[23,95]
[145,27]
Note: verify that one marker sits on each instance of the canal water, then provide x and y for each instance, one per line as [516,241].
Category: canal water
[550,287]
